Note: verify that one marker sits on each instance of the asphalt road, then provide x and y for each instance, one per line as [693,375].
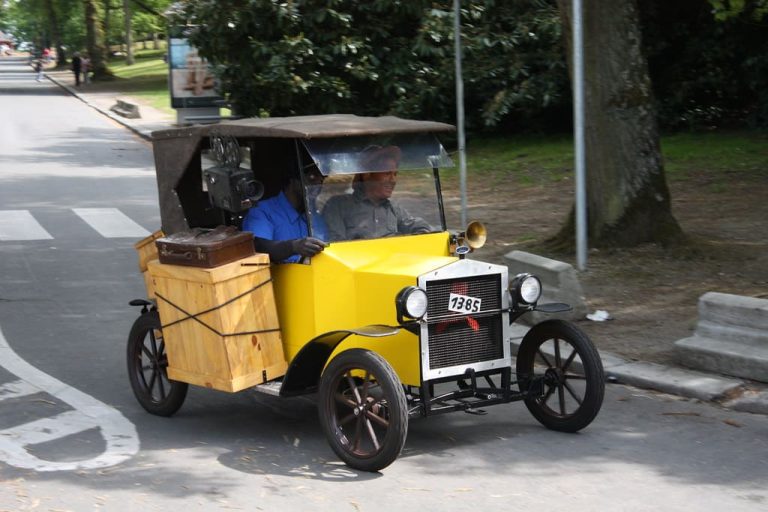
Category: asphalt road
[65,282]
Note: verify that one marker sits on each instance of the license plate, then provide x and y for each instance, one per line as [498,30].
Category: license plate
[463,303]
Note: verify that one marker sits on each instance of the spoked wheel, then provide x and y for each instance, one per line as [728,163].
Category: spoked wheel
[573,379]
[147,368]
[363,410]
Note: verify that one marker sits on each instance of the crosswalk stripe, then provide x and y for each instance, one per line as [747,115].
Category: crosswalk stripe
[111,223]
[48,429]
[16,389]
[21,225]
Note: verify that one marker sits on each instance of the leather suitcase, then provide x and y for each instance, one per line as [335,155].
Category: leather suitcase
[199,247]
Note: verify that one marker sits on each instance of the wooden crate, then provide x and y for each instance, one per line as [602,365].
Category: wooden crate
[147,249]
[149,284]
[235,300]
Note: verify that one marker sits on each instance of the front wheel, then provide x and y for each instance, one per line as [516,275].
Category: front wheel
[363,410]
[564,360]
[147,368]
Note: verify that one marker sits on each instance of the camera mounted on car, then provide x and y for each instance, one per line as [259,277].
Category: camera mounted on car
[230,187]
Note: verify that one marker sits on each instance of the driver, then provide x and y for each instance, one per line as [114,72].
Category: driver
[368,211]
[279,224]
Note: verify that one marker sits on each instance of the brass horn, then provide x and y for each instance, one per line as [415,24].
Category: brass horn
[476,235]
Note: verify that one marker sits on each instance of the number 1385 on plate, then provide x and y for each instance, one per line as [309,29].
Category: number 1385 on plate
[463,303]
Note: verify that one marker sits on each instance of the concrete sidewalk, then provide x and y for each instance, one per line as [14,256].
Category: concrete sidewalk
[737,394]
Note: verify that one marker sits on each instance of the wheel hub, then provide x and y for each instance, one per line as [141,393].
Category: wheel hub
[554,376]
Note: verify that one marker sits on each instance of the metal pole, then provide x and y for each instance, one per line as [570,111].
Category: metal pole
[460,112]
[578,132]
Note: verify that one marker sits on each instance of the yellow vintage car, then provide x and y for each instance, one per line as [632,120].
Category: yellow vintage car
[396,318]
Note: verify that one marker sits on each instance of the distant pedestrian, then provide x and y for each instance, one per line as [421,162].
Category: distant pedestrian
[77,63]
[39,68]
[85,63]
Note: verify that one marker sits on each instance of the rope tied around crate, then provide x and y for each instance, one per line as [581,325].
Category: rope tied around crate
[194,316]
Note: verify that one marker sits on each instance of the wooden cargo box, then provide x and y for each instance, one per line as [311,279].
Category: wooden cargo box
[147,251]
[233,342]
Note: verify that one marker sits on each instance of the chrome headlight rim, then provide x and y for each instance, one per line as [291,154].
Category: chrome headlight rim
[526,288]
[412,302]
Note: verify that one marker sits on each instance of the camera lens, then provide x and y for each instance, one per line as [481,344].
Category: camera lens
[250,189]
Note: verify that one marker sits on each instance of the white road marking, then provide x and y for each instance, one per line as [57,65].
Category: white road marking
[48,429]
[16,389]
[122,440]
[111,223]
[21,225]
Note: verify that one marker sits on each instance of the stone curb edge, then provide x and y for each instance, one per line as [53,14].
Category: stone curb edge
[729,392]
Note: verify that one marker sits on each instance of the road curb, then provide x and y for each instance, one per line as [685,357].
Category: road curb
[675,381]
[729,392]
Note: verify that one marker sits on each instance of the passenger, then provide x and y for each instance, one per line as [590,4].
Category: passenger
[279,224]
[368,211]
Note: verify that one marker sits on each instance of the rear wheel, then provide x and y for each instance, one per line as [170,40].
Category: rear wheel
[363,410]
[147,368]
[569,366]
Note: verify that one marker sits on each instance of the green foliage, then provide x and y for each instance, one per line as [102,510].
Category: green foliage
[726,9]
[382,56]
[707,72]
[29,20]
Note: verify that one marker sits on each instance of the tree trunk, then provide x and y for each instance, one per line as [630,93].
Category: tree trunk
[106,22]
[128,33]
[53,19]
[628,202]
[94,42]
[155,41]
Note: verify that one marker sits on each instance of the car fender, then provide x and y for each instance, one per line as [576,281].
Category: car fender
[303,374]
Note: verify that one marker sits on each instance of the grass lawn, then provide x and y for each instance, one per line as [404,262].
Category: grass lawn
[146,79]
[536,160]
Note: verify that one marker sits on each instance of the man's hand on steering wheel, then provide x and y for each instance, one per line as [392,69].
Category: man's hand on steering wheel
[307,246]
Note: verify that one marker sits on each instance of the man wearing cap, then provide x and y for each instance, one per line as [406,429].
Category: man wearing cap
[368,211]
[279,224]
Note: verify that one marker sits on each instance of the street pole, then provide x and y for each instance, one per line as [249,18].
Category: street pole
[578,132]
[460,112]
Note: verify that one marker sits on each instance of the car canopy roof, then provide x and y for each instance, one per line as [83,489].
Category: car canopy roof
[177,152]
[309,127]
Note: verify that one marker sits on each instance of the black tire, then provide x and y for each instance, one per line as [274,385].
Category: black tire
[363,410]
[147,368]
[574,382]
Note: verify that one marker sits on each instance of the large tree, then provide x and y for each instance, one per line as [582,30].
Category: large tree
[628,202]
[97,51]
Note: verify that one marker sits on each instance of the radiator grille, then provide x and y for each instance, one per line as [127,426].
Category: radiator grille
[457,339]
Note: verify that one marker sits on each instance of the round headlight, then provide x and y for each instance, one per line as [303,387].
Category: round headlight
[525,288]
[530,289]
[416,303]
[411,302]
